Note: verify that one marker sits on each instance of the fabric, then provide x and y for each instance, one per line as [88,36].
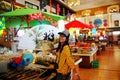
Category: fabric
[17,60]
[64,60]
[63,77]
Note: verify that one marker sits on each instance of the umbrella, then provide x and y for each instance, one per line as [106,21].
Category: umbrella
[53,16]
[76,24]
[26,11]
[35,34]
[21,12]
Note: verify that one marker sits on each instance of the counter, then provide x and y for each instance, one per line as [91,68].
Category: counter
[87,58]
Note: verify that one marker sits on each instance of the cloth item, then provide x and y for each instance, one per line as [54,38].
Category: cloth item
[17,60]
[63,77]
[64,61]
[14,64]
[65,32]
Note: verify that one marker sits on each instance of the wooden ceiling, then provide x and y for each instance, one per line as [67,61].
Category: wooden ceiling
[87,4]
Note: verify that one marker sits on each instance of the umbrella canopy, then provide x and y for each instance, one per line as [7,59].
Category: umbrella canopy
[26,11]
[21,12]
[76,24]
[53,16]
[36,34]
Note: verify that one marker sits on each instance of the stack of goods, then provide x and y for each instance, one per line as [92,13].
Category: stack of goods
[93,46]
[45,46]
[44,59]
[44,55]
[83,48]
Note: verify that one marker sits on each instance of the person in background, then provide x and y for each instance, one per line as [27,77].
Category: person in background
[76,39]
[64,59]
[111,41]
[119,43]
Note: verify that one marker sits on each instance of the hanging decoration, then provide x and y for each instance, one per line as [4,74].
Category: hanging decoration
[91,26]
[105,22]
[13,4]
[94,31]
[4,33]
[101,33]
[63,11]
[1,31]
[2,25]
[68,16]
[97,22]
[41,5]
[50,6]
[58,9]
[36,16]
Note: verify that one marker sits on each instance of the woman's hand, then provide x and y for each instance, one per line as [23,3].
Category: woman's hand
[51,66]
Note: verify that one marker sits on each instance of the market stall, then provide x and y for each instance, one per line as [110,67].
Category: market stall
[40,42]
[87,52]
[80,46]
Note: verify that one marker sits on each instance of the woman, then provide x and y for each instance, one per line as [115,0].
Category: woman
[64,60]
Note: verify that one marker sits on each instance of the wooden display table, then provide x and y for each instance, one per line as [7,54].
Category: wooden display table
[87,58]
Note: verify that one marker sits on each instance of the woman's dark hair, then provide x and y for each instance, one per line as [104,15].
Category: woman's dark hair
[60,47]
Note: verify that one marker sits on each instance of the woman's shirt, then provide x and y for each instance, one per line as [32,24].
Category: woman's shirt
[64,60]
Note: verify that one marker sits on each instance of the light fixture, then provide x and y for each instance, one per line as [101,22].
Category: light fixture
[86,13]
[71,3]
[99,13]
[113,8]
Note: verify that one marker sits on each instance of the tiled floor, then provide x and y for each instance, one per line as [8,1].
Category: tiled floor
[109,66]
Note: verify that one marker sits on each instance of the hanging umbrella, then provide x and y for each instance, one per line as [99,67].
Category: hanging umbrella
[76,24]
[16,22]
[53,16]
[26,11]
[21,12]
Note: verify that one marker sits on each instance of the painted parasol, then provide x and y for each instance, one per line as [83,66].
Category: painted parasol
[21,12]
[35,34]
[26,11]
[76,24]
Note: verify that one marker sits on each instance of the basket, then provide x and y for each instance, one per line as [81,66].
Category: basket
[95,64]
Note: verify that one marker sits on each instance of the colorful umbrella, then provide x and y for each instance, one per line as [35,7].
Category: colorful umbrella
[76,24]
[26,11]
[53,16]
[21,12]
[36,34]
